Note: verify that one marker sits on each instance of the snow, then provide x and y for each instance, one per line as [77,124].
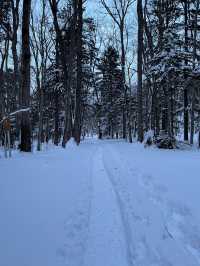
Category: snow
[102,203]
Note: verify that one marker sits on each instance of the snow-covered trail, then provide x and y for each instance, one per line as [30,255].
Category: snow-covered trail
[102,203]
[107,243]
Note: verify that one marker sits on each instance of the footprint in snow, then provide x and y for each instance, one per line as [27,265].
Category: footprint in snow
[182,227]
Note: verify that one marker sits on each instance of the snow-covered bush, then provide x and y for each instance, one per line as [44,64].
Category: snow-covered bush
[164,141]
[149,138]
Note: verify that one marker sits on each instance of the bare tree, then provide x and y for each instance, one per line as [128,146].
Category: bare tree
[41,45]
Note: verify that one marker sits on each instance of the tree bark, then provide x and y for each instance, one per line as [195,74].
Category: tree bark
[25,78]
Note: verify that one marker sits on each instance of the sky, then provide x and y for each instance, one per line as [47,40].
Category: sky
[92,5]
[105,24]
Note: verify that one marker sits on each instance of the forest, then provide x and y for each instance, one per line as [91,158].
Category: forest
[99,132]
[129,70]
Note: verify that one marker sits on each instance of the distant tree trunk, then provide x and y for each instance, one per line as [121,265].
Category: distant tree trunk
[192,119]
[99,131]
[140,70]
[164,108]
[68,125]
[130,133]
[2,65]
[56,100]
[194,65]
[56,118]
[123,62]
[78,109]
[25,78]
[169,107]
[15,15]
[41,106]
[186,116]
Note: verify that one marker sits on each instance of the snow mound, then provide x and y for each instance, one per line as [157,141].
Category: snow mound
[71,143]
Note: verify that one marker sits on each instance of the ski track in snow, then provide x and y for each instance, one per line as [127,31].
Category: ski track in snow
[107,242]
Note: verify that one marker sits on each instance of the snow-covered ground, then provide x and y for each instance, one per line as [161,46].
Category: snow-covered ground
[103,203]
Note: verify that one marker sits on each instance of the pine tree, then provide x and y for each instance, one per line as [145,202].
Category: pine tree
[111,93]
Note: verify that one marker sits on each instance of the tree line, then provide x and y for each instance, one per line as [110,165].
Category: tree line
[62,76]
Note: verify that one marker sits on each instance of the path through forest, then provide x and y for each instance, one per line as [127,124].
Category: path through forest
[103,203]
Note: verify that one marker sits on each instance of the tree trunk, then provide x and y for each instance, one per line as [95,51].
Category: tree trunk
[78,107]
[60,51]
[56,119]
[25,78]
[123,60]
[194,65]
[15,15]
[192,120]
[186,116]
[40,129]
[140,70]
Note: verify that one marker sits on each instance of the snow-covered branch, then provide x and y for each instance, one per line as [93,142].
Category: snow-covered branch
[14,113]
